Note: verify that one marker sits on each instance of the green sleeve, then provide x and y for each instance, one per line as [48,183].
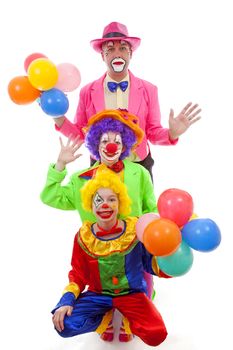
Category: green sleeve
[55,194]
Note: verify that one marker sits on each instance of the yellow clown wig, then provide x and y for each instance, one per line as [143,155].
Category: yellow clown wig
[107,179]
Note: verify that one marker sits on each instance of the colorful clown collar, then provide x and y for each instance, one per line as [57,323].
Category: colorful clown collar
[98,247]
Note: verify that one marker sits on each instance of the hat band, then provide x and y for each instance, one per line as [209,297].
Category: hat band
[113,34]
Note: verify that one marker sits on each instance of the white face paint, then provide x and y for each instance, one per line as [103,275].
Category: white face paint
[105,205]
[117,55]
[118,139]
[97,200]
[118,64]
[110,138]
[108,45]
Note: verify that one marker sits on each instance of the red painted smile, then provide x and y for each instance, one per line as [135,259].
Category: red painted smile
[118,63]
[110,154]
[105,214]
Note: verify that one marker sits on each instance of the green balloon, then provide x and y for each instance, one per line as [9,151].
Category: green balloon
[178,263]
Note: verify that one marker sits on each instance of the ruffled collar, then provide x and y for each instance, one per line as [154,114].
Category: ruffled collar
[97,247]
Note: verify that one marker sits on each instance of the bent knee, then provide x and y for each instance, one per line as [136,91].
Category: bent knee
[156,338]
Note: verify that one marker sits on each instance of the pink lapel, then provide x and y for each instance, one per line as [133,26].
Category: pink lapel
[135,96]
[97,94]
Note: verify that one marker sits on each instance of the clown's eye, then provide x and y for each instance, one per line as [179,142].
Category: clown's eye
[118,139]
[97,200]
[109,51]
[104,138]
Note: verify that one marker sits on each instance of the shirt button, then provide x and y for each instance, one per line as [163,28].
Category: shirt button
[115,280]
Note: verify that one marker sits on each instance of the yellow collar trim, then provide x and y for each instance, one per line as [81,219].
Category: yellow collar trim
[97,247]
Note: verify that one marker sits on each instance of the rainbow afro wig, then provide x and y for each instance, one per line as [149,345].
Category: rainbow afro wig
[120,121]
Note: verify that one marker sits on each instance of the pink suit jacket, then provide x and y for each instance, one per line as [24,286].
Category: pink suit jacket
[143,102]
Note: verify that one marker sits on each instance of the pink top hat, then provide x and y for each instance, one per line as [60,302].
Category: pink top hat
[115,31]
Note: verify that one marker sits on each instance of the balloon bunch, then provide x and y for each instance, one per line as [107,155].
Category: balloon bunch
[176,231]
[46,83]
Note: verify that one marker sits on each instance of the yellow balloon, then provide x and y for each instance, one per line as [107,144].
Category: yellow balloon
[42,74]
[194,216]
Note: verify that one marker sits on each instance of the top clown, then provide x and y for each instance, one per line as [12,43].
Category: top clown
[119,88]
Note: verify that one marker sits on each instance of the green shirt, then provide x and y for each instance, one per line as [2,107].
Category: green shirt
[67,197]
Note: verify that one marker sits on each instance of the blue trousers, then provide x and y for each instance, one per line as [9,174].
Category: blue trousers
[144,319]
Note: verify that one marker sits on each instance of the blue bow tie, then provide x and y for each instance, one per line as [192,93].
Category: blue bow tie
[112,86]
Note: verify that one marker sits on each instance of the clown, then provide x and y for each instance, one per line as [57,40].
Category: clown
[110,137]
[118,87]
[108,258]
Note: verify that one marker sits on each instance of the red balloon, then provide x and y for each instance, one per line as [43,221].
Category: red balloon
[175,205]
[162,237]
[21,91]
[31,58]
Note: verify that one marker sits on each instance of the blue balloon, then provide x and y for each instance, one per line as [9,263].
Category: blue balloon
[201,234]
[178,263]
[54,102]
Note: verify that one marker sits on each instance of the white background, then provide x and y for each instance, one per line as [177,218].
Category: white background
[186,51]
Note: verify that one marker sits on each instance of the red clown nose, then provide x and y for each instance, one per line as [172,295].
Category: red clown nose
[105,206]
[111,147]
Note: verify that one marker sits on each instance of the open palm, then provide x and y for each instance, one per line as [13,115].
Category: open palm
[188,116]
[68,152]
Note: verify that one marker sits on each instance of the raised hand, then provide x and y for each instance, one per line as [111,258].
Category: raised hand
[188,116]
[68,152]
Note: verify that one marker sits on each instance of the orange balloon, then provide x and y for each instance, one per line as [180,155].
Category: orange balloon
[162,237]
[21,91]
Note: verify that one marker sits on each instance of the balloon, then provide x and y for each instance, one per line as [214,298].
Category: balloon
[193,216]
[31,58]
[162,237]
[202,234]
[175,205]
[178,263]
[69,77]
[54,102]
[42,74]
[142,222]
[21,91]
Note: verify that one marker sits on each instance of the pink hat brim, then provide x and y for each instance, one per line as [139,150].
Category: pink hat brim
[133,41]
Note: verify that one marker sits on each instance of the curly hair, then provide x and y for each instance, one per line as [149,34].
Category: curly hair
[95,132]
[107,179]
